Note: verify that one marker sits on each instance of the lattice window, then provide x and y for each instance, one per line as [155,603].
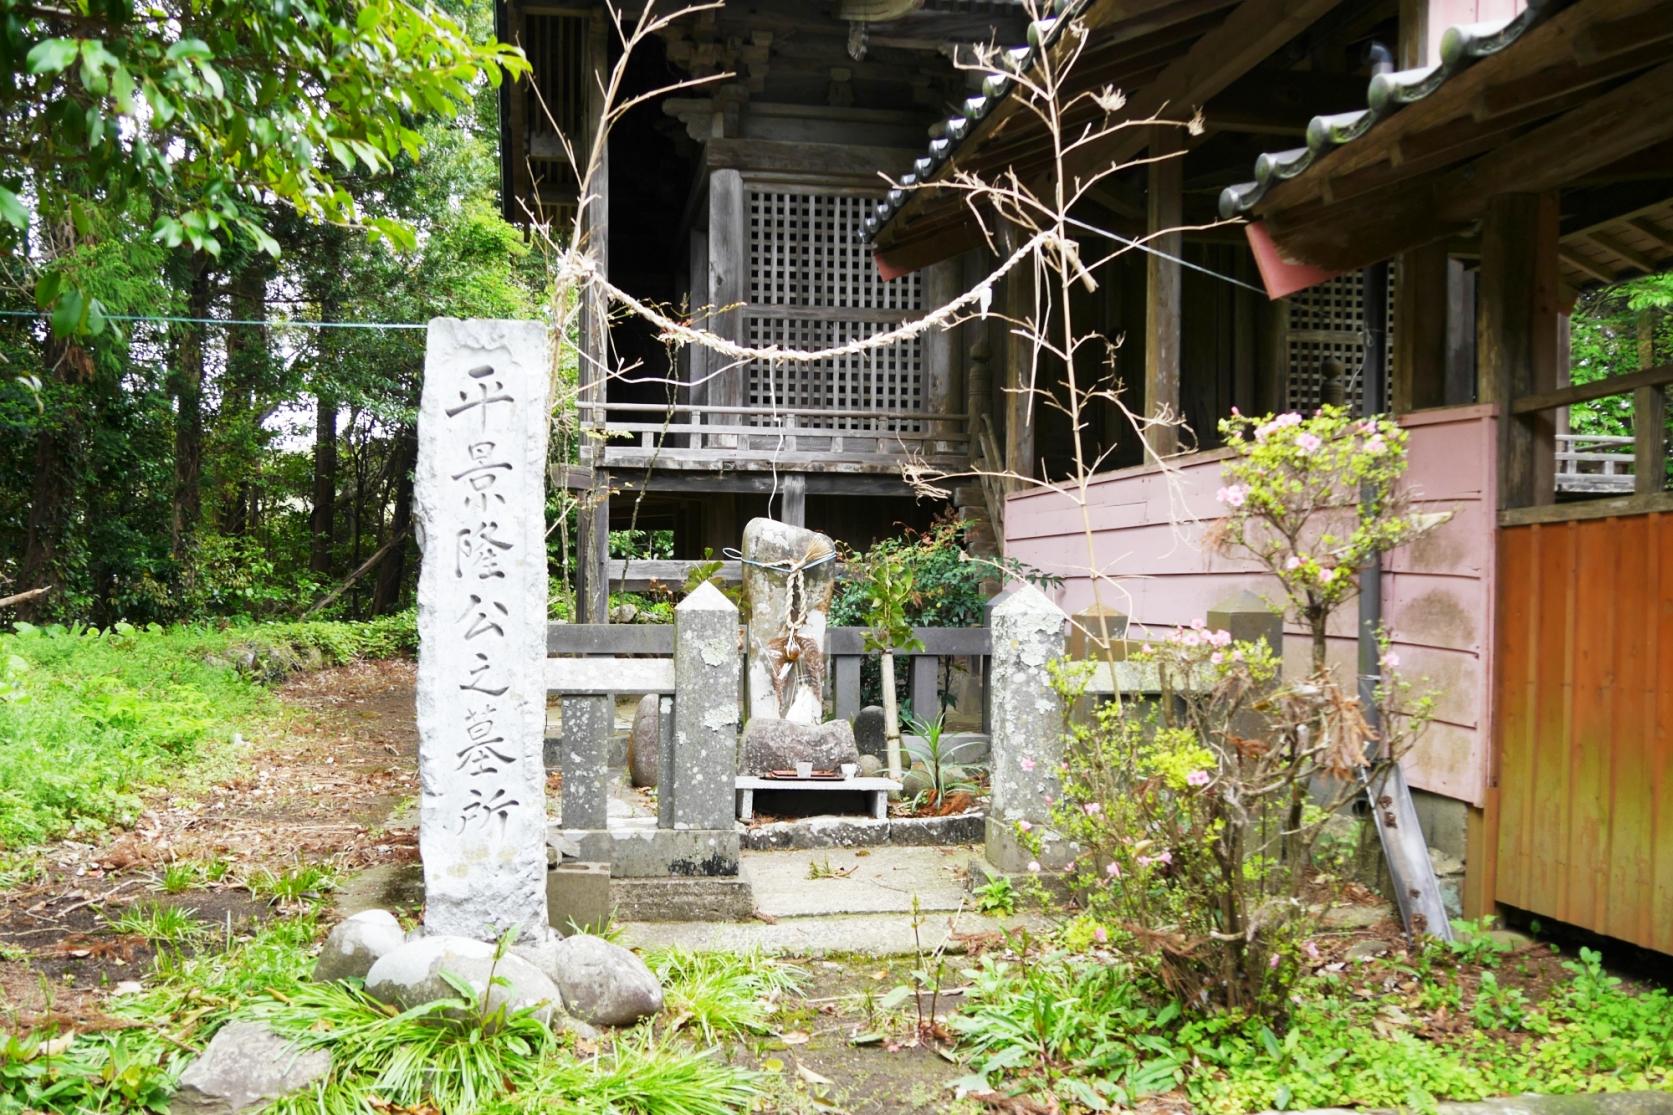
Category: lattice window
[812,284]
[1327,321]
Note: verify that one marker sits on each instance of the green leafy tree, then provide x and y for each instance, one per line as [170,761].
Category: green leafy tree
[214,109]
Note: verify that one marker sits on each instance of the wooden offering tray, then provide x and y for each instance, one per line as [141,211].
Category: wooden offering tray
[792,776]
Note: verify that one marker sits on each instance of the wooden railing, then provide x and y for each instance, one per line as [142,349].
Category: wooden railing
[1594,463]
[1528,473]
[680,433]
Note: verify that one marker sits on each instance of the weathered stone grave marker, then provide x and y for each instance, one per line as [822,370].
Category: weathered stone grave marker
[480,492]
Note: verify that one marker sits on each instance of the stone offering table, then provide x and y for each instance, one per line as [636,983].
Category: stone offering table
[877,790]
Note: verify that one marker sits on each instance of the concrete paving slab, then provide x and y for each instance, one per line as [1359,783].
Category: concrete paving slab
[861,934]
[883,881]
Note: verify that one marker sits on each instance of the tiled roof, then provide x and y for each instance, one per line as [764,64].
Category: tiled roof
[1042,33]
[1461,47]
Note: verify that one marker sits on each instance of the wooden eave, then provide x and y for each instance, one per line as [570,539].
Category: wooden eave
[1564,96]
[1168,56]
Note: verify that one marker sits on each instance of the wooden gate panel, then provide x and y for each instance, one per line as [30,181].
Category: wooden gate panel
[1585,715]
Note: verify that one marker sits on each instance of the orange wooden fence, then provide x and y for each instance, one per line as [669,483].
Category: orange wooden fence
[1584,699]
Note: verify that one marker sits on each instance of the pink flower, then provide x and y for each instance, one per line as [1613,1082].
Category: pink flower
[1216,658]
[1326,576]
[1112,869]
[1308,442]
[1293,562]
[1026,763]
[1375,444]
[1233,496]
[1100,936]
[1312,949]
[1034,866]
[1273,963]
[1191,639]
[1093,809]
[1025,826]
[1220,638]
[1236,413]
[1391,660]
[1198,778]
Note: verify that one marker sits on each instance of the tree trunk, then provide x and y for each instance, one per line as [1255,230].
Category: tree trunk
[239,428]
[188,414]
[321,524]
[891,716]
[50,491]
[386,594]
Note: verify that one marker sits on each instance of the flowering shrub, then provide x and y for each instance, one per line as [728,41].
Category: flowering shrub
[1194,822]
[1313,499]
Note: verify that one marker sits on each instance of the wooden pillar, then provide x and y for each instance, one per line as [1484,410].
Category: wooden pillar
[592,552]
[792,500]
[728,287]
[1163,286]
[697,356]
[1516,338]
[1421,302]
[1649,417]
[941,286]
[1020,369]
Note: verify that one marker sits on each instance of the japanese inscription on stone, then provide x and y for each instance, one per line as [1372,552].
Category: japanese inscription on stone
[480,492]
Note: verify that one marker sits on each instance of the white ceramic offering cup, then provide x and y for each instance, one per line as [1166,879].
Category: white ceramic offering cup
[804,770]
[848,769]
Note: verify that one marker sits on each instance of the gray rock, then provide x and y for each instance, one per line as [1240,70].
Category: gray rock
[916,781]
[781,744]
[245,1067]
[624,613]
[643,742]
[869,732]
[356,943]
[871,766]
[767,590]
[602,983]
[1367,950]
[412,975]
[511,984]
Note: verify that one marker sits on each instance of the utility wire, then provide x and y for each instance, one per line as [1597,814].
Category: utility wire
[280,323]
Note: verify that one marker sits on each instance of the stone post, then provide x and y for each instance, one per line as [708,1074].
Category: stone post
[480,496]
[699,770]
[584,759]
[1026,721]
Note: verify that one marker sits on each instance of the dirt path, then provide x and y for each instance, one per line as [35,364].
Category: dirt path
[325,784]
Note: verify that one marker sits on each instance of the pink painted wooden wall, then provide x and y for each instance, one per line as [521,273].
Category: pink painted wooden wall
[1447,13]
[1438,594]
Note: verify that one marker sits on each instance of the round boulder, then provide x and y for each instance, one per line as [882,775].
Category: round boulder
[356,943]
[869,732]
[411,975]
[602,983]
[644,742]
[780,744]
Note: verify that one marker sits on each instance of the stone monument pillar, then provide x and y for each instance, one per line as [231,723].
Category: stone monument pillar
[480,497]
[1027,726]
[789,574]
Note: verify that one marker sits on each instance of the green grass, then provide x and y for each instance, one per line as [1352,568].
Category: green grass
[728,994]
[294,884]
[1093,1031]
[90,719]
[161,926]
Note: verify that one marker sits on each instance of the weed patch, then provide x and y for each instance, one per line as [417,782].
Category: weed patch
[89,719]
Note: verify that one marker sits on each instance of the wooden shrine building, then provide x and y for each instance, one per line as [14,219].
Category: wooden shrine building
[1396,199]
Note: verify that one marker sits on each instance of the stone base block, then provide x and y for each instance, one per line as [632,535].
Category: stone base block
[578,896]
[711,899]
[1006,851]
[643,853]
[864,832]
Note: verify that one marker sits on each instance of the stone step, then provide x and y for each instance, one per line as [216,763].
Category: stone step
[868,935]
